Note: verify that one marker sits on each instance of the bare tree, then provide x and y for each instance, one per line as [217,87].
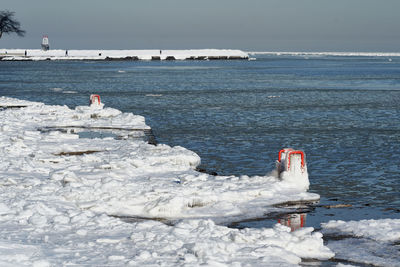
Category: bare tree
[9,25]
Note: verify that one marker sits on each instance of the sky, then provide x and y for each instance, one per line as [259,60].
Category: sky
[251,25]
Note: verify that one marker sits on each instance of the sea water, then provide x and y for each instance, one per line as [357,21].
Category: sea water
[343,111]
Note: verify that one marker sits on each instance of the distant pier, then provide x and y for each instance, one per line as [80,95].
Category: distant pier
[60,54]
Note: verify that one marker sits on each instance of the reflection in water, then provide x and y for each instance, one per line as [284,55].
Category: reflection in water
[294,221]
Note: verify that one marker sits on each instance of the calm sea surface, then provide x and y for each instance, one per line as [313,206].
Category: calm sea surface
[344,112]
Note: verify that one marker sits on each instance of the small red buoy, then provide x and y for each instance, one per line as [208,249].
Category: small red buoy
[299,152]
[289,158]
[95,100]
[283,151]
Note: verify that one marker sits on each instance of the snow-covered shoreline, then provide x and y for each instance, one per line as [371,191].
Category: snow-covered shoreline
[58,190]
[62,196]
[39,134]
[60,54]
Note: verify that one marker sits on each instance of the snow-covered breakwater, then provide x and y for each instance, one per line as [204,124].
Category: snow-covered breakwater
[58,191]
[59,54]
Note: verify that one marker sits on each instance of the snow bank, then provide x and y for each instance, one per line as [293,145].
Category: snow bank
[12,102]
[58,54]
[131,178]
[57,191]
[366,241]
[83,238]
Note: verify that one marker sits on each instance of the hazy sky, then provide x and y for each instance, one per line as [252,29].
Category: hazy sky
[257,25]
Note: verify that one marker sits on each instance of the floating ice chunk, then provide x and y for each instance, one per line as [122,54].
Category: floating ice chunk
[387,230]
[365,241]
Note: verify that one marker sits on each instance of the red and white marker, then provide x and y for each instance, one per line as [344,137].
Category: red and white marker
[95,100]
[291,160]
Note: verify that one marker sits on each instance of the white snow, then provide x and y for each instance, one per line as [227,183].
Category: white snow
[60,54]
[343,54]
[61,196]
[367,241]
[380,230]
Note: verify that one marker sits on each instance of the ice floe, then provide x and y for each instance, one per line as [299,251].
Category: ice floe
[372,242]
[62,197]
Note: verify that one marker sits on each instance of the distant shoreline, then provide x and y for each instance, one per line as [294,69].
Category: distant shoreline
[60,54]
[343,54]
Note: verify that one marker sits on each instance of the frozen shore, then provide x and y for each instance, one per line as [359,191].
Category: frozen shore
[59,54]
[371,242]
[62,196]
[63,193]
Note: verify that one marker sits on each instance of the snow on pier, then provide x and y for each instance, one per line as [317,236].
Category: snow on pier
[58,54]
[63,196]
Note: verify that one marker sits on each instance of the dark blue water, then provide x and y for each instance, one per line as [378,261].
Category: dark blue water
[344,112]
